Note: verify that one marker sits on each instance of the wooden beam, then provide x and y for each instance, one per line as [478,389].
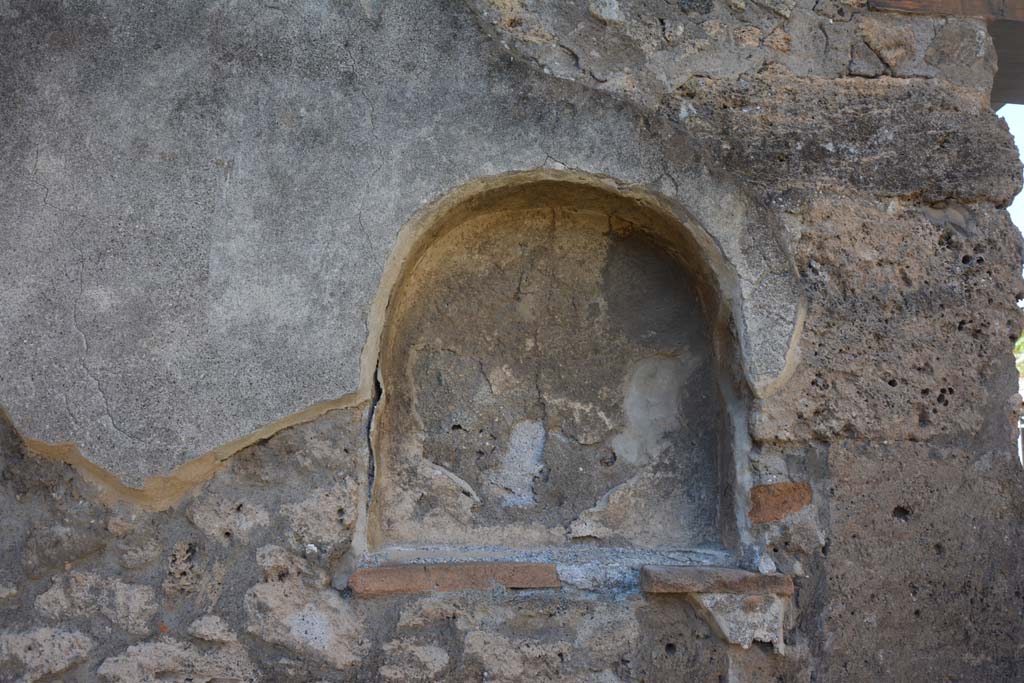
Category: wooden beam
[1010,10]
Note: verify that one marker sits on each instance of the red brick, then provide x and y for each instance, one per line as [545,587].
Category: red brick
[416,578]
[772,502]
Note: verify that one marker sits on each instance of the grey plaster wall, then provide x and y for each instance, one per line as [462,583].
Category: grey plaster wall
[200,198]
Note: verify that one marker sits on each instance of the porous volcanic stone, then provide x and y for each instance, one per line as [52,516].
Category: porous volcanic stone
[667,579]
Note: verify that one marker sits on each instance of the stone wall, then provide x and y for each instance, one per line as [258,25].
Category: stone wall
[628,340]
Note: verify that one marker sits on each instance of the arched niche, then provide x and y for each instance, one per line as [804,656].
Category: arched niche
[559,369]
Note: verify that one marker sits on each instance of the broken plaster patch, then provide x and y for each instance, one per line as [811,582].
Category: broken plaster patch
[652,409]
[524,461]
[607,11]
[743,619]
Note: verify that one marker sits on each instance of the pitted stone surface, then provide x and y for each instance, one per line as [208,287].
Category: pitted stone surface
[38,654]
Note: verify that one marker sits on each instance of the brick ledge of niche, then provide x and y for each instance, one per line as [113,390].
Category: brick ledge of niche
[681,580]
[451,577]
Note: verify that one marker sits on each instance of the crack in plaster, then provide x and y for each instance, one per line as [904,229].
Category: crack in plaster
[377,394]
[83,361]
[378,144]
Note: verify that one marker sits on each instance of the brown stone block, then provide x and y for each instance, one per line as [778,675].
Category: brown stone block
[772,502]
[672,579]
[415,578]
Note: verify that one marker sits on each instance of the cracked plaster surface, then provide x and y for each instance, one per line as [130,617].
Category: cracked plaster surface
[231,225]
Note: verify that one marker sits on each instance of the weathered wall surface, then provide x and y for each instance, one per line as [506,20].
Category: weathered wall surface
[206,207]
[203,263]
[558,364]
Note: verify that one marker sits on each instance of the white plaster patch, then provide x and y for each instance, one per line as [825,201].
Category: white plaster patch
[598,576]
[607,11]
[652,409]
[523,462]
[742,619]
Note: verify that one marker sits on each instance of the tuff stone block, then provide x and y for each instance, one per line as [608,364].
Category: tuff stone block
[668,579]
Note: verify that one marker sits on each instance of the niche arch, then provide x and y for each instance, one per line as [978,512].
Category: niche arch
[561,372]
